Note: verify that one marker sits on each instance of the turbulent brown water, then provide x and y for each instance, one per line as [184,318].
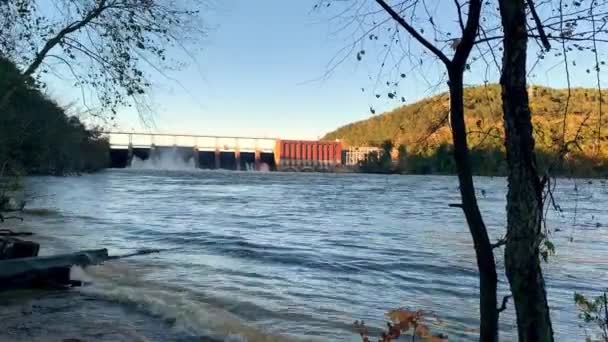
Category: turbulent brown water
[283,256]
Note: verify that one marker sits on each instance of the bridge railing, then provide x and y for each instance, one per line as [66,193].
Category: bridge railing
[202,142]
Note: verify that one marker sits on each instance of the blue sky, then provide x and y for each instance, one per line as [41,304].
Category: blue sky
[259,73]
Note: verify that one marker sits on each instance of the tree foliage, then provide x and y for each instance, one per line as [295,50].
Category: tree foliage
[423,127]
[403,321]
[37,137]
[105,47]
[594,313]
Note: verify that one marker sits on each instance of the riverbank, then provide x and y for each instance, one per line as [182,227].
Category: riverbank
[69,315]
[119,301]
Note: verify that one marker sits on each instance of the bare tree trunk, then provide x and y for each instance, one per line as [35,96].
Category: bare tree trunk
[488,328]
[524,197]
[483,247]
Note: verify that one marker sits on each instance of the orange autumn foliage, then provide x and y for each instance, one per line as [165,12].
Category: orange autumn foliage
[401,321]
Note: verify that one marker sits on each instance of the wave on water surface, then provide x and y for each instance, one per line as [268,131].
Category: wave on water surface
[184,310]
[280,257]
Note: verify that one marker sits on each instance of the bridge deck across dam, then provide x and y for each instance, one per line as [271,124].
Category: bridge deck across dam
[124,140]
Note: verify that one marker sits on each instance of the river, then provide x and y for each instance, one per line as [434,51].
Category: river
[252,256]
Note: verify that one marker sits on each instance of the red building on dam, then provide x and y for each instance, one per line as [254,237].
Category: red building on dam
[303,155]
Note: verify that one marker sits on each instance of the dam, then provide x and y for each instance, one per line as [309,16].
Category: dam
[224,152]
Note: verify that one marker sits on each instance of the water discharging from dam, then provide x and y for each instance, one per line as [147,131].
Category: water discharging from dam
[164,159]
[181,159]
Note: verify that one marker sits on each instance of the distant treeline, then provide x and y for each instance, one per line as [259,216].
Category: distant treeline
[485,162]
[36,135]
[560,118]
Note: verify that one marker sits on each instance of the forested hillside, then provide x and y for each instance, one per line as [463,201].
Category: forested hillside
[423,128]
[37,137]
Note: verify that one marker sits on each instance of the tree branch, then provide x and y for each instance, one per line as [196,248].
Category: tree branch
[50,44]
[8,232]
[503,307]
[468,36]
[566,39]
[101,6]
[539,25]
[499,243]
[414,33]
[460,20]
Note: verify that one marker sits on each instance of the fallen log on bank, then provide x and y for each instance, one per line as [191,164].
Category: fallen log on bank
[46,271]
[8,232]
[53,271]
[11,248]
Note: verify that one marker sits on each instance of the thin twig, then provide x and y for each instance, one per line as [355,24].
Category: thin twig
[499,243]
[460,21]
[414,33]
[503,307]
[567,69]
[599,85]
[575,211]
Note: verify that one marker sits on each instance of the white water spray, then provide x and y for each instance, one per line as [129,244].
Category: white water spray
[250,167]
[163,159]
[264,167]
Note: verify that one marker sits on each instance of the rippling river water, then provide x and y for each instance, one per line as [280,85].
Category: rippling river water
[283,256]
